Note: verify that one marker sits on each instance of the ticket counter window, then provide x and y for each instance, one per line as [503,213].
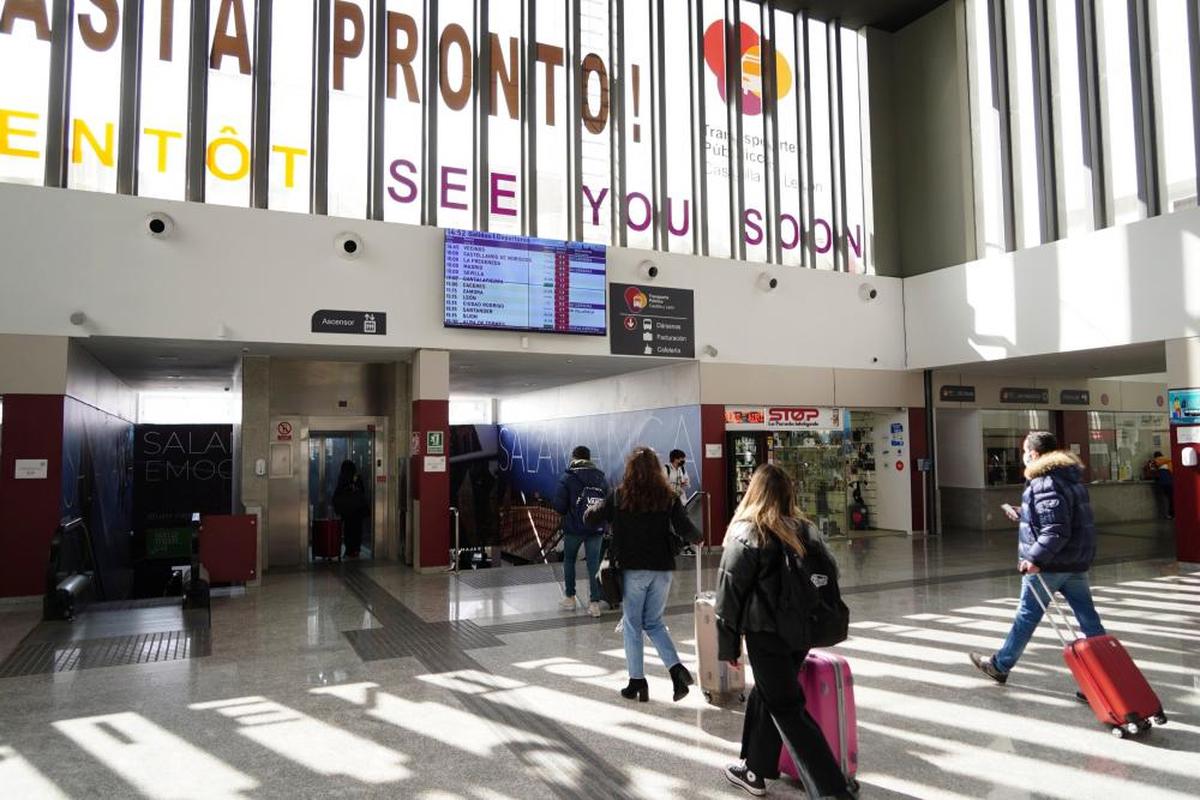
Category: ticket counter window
[1004,435]
[1120,443]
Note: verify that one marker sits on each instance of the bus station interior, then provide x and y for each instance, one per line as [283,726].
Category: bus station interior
[950,234]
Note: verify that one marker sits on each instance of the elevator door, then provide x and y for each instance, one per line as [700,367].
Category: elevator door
[327,450]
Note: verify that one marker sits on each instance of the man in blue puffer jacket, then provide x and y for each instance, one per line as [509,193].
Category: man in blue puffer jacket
[1058,539]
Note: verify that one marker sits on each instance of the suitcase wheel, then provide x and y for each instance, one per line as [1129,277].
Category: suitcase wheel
[708,696]
[1133,728]
[1160,718]
[1118,731]
[742,697]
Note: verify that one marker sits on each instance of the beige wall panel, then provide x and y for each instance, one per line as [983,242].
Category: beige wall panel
[33,364]
[745,384]
[862,388]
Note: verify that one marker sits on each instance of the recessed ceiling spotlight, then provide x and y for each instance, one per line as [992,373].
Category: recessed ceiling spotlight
[168,358]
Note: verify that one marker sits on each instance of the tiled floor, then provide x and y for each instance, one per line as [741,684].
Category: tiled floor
[368,680]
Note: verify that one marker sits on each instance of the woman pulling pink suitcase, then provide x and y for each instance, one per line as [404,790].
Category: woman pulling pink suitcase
[777,587]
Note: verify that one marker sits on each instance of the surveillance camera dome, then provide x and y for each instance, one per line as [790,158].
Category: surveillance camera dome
[349,245]
[159,225]
[648,270]
[767,281]
[867,292]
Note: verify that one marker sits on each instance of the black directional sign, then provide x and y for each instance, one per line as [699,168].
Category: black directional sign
[363,323]
[651,321]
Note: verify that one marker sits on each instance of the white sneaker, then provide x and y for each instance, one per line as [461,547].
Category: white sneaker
[567,603]
[594,609]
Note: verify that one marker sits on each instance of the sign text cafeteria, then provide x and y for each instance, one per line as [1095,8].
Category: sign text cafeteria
[461,76]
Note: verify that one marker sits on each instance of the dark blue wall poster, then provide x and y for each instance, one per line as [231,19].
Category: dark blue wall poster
[533,455]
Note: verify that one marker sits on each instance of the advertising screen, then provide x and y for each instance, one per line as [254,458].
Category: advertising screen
[517,283]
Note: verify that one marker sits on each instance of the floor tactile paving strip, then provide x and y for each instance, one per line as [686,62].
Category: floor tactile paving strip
[40,658]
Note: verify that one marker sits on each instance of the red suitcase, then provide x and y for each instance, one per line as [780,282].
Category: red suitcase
[327,538]
[829,699]
[1117,691]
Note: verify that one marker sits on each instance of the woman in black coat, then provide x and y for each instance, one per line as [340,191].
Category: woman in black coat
[751,594]
[646,516]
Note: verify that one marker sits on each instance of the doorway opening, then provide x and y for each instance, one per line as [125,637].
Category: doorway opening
[341,527]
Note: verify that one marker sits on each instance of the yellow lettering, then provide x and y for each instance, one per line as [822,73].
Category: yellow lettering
[7,130]
[163,137]
[243,154]
[80,132]
[289,162]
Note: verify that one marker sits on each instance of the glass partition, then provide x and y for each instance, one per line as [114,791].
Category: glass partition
[1003,436]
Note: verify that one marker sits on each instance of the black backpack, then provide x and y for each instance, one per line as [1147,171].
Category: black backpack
[808,591]
[588,497]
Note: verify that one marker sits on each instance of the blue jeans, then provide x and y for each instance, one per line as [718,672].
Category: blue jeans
[645,599]
[592,543]
[1074,587]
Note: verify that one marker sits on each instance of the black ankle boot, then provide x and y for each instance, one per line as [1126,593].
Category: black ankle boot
[681,679]
[637,688]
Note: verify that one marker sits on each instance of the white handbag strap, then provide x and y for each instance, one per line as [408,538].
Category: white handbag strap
[1058,610]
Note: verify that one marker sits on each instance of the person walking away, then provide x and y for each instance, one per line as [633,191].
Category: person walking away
[642,512]
[753,601]
[581,487]
[350,503]
[1057,539]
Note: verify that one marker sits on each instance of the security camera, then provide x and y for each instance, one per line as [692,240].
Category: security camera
[767,281]
[648,270]
[710,351]
[159,225]
[78,318]
[349,245]
[867,292]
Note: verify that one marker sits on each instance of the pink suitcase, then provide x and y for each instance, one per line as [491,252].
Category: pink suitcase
[829,699]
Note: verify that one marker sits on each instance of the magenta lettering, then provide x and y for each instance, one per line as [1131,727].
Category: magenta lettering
[595,202]
[408,183]
[784,242]
[825,248]
[687,218]
[749,220]
[498,193]
[629,211]
[447,187]
[855,244]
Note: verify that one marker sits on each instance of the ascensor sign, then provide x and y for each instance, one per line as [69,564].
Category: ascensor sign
[481,115]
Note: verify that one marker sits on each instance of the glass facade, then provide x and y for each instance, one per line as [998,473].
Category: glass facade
[720,127]
[1083,115]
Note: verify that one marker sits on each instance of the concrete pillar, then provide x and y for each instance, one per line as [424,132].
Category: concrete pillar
[255,442]
[1183,372]
[33,382]
[430,459]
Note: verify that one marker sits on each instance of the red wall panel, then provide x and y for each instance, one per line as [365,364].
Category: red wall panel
[1187,503]
[29,509]
[432,489]
[712,431]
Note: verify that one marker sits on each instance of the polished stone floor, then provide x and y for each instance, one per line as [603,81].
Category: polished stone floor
[368,680]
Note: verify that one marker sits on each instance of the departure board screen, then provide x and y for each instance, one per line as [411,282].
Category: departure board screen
[516,283]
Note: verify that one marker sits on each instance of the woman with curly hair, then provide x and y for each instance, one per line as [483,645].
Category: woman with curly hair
[642,511]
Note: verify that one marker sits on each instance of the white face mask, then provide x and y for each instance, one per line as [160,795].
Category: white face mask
[1028,458]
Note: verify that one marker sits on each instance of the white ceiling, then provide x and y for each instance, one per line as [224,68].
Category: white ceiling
[168,364]
[1106,362]
[491,374]
[161,365]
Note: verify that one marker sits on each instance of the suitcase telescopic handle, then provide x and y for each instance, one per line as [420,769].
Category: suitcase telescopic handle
[707,522]
[1058,610]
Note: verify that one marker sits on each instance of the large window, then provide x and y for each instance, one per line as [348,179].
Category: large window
[1118,113]
[631,122]
[1120,443]
[163,99]
[1072,146]
[1175,80]
[1004,435]
[95,98]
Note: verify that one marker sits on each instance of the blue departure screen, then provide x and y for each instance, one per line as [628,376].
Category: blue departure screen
[515,283]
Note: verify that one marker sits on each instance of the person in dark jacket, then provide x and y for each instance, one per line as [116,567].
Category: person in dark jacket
[642,511]
[749,595]
[1057,539]
[583,485]
[350,503]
